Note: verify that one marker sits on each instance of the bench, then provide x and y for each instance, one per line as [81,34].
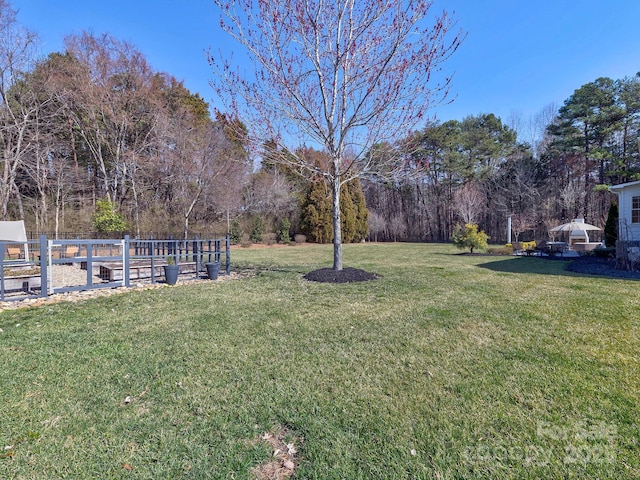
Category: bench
[71,251]
[14,252]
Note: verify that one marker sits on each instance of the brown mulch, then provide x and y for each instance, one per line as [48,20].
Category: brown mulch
[601,266]
[346,275]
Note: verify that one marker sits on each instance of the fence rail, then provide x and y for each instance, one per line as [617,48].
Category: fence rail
[108,263]
[84,235]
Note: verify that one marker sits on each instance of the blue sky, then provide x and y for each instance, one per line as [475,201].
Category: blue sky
[519,56]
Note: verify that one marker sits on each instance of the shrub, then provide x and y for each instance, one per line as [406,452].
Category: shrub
[283,235]
[468,236]
[269,238]
[299,238]
[235,232]
[528,245]
[605,252]
[257,229]
[107,219]
[245,241]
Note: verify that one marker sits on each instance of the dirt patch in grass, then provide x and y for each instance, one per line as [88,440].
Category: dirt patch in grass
[346,275]
[285,460]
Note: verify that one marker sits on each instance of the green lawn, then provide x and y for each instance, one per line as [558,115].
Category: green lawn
[448,366]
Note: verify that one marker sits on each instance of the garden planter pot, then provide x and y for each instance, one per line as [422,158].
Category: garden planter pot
[171,273]
[213,269]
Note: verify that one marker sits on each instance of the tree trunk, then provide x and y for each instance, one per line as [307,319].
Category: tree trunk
[337,227]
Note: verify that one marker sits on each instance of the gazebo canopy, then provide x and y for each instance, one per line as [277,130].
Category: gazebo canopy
[577,224]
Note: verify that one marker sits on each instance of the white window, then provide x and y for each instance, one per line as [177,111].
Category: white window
[635,209]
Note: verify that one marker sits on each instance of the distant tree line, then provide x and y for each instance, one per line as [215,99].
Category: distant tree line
[479,171]
[95,129]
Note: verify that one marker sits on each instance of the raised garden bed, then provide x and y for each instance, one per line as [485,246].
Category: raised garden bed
[137,270]
[22,279]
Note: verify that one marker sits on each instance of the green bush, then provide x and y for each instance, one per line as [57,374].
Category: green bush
[257,229]
[468,236]
[107,219]
[235,232]
[605,252]
[283,234]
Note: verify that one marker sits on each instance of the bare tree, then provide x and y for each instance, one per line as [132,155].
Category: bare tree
[18,108]
[195,159]
[520,223]
[376,224]
[112,107]
[572,197]
[469,200]
[346,75]
[397,228]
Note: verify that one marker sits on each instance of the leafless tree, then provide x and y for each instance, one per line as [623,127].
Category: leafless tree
[521,223]
[345,75]
[397,228]
[377,224]
[469,200]
[18,108]
[112,107]
[572,197]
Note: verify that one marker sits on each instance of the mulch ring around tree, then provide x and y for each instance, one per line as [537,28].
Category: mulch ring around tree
[346,275]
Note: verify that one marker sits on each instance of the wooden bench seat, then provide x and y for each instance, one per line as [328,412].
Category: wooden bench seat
[14,252]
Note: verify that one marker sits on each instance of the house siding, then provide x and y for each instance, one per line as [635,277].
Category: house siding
[628,245]
[627,231]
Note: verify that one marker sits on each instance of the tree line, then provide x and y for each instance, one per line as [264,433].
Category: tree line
[96,125]
[541,172]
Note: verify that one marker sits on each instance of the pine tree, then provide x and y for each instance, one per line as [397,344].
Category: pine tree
[316,212]
[362,213]
[611,226]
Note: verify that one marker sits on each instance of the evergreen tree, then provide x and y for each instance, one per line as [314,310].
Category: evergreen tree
[611,226]
[235,232]
[362,213]
[347,215]
[316,212]
[315,215]
[257,229]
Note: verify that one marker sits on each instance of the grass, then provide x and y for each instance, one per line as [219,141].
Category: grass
[448,366]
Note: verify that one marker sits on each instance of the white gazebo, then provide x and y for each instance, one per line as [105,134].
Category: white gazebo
[578,234]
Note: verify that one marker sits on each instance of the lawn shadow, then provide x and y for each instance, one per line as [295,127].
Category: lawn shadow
[578,267]
[537,265]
